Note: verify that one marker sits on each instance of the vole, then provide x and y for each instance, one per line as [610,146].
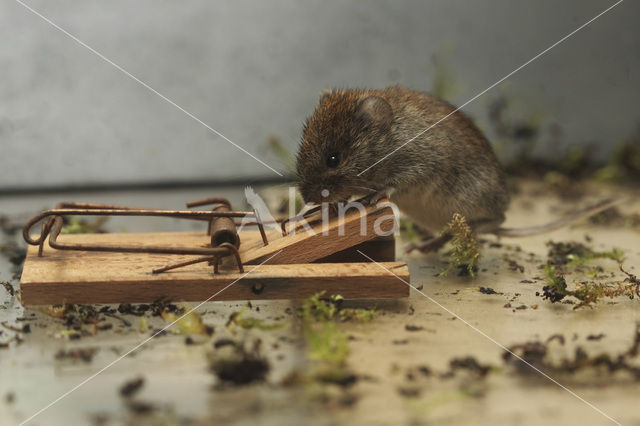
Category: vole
[451,168]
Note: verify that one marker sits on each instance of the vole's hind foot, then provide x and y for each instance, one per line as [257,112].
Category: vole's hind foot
[428,245]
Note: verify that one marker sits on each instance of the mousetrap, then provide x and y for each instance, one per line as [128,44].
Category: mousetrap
[236,257]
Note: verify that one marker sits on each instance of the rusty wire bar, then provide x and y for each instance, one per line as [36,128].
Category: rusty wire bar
[211,259]
[283,224]
[224,237]
[333,209]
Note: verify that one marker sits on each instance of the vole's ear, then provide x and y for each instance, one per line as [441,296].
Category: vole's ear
[325,94]
[376,110]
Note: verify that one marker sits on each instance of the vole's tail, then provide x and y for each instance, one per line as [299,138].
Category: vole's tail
[557,224]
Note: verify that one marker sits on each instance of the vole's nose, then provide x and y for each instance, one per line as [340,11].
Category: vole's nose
[308,193]
[315,194]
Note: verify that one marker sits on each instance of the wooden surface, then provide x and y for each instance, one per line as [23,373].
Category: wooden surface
[93,277]
[62,276]
[381,249]
[338,235]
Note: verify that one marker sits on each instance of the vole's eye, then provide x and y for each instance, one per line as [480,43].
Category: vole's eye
[333,160]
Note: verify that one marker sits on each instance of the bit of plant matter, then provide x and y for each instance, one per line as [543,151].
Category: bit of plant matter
[587,293]
[331,308]
[523,356]
[465,253]
[190,323]
[571,254]
[327,343]
[142,324]
[556,288]
[237,318]
[79,226]
[8,287]
[327,346]
[575,254]
[83,354]
[614,254]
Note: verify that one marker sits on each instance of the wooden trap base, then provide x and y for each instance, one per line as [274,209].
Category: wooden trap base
[99,277]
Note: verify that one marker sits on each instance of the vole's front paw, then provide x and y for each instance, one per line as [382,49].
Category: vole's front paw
[373,198]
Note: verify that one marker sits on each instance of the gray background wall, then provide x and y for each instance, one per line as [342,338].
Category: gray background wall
[254,68]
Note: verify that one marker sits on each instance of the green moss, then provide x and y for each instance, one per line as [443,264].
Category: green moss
[593,272]
[78,226]
[142,324]
[327,345]
[329,309]
[556,286]
[575,254]
[320,310]
[588,293]
[69,334]
[190,323]
[556,289]
[614,254]
[465,253]
[359,315]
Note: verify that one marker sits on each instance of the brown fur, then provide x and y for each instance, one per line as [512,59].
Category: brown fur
[449,169]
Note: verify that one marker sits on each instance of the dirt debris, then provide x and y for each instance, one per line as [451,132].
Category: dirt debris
[131,387]
[77,354]
[535,354]
[235,365]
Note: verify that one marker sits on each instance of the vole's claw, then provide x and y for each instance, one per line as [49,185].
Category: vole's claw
[373,198]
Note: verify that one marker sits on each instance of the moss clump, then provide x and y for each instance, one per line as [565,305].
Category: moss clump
[465,253]
[556,286]
[318,309]
[328,309]
[327,343]
[327,346]
[588,293]
[572,254]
